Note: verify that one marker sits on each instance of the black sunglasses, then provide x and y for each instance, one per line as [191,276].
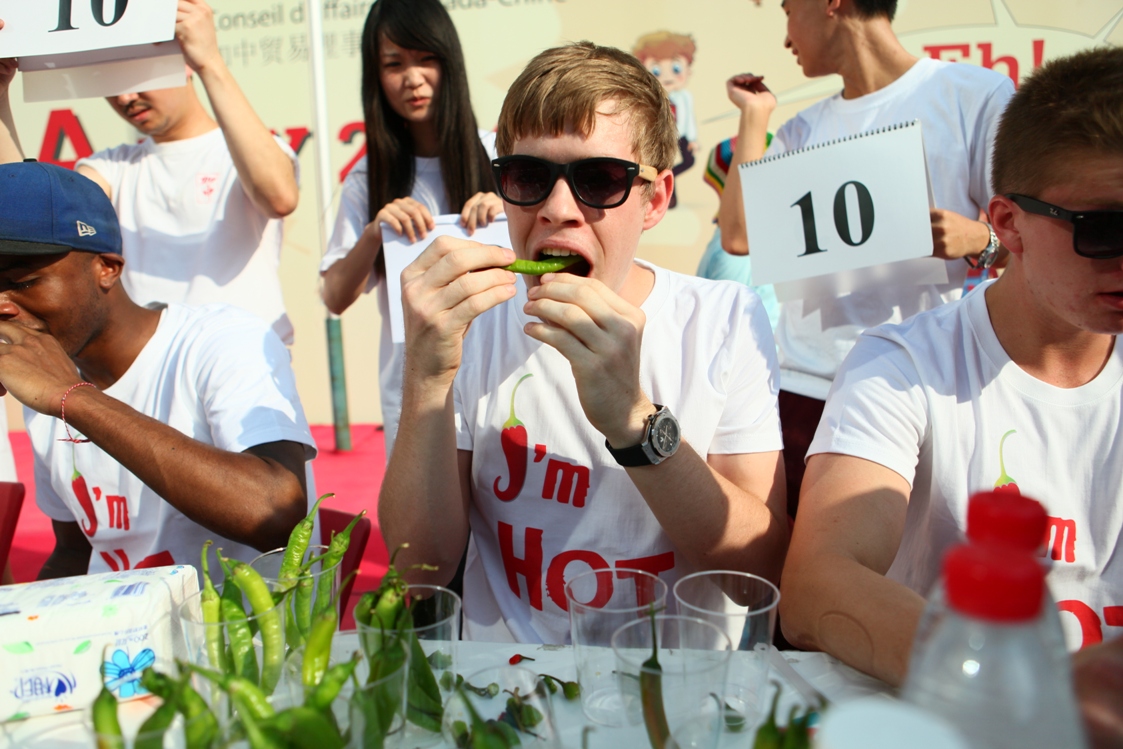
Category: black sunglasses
[598,183]
[1095,234]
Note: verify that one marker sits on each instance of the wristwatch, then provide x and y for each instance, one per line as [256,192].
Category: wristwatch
[989,254]
[660,441]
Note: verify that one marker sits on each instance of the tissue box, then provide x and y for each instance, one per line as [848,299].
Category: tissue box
[55,633]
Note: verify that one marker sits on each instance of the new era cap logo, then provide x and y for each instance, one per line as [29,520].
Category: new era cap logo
[85,230]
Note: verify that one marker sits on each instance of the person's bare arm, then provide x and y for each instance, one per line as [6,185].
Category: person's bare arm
[95,176]
[10,149]
[735,517]
[253,497]
[834,593]
[345,279]
[426,492]
[71,555]
[756,103]
[264,169]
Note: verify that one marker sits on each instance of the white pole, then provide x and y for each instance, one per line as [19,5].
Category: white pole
[324,184]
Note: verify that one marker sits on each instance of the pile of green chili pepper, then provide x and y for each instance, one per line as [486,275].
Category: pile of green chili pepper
[497,733]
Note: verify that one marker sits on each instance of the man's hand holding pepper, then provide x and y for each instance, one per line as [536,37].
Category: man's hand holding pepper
[450,284]
[600,334]
[34,368]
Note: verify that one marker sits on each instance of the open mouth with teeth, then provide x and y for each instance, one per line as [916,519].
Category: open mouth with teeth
[562,261]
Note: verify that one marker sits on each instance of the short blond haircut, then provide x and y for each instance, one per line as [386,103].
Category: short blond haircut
[664,45]
[562,88]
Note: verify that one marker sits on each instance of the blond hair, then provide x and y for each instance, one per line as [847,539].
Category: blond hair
[663,45]
[562,88]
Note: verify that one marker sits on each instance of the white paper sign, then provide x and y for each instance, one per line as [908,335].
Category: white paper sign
[855,203]
[59,27]
[109,72]
[399,252]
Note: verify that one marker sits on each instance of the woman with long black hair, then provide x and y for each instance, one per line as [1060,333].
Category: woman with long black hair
[425,157]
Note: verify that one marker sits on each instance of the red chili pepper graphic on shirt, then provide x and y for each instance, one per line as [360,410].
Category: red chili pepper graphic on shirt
[513,440]
[1005,483]
[78,483]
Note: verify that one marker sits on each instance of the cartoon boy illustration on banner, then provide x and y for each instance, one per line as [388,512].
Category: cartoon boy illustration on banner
[669,57]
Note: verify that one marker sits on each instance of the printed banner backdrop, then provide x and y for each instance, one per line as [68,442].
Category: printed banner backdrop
[265,43]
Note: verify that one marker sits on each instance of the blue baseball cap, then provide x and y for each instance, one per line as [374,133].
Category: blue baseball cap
[45,209]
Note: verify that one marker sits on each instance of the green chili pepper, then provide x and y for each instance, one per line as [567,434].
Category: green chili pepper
[269,622]
[299,539]
[487,734]
[302,606]
[106,725]
[212,617]
[247,696]
[541,267]
[571,689]
[260,738]
[200,725]
[242,655]
[317,651]
[521,714]
[324,693]
[769,736]
[151,734]
[337,547]
[651,695]
[797,735]
[305,728]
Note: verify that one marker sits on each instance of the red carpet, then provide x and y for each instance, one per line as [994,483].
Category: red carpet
[354,476]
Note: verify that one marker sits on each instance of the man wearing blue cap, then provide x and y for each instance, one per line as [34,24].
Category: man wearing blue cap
[154,428]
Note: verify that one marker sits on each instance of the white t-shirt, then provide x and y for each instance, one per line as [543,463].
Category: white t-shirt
[215,373]
[190,233]
[353,217]
[707,355]
[932,400]
[959,106]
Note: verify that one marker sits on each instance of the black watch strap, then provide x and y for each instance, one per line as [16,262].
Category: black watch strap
[629,457]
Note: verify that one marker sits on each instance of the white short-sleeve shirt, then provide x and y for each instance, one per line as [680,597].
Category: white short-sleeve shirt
[190,233]
[561,505]
[218,375]
[937,400]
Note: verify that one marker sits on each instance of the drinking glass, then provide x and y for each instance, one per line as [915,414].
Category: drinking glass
[376,709]
[744,606]
[523,702]
[432,643]
[310,592]
[670,664]
[203,639]
[600,602]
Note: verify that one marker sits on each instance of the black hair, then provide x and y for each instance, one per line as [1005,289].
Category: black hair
[875,8]
[421,25]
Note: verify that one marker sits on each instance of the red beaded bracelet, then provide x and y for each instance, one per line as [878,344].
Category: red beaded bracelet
[62,409]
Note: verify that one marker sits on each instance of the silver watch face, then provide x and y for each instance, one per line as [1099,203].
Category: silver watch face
[665,434]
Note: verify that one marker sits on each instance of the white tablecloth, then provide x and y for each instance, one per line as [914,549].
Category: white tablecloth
[838,682]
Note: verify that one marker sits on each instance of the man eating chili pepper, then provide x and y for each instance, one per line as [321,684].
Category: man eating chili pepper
[153,428]
[538,429]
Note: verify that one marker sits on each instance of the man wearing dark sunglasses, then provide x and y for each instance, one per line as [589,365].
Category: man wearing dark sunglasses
[1016,387]
[610,416]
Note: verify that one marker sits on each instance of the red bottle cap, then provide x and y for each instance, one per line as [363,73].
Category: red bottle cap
[994,583]
[1008,519]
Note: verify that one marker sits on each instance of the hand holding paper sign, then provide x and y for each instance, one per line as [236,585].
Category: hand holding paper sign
[955,236]
[194,28]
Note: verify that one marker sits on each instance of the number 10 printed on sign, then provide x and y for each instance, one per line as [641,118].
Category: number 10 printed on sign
[840,206]
[58,27]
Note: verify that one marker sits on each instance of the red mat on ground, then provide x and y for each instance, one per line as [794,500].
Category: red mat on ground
[354,476]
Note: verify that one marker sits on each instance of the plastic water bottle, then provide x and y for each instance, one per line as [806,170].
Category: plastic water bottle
[983,668]
[1003,518]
